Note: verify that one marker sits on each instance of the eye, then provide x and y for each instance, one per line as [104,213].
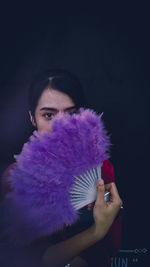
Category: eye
[73,112]
[49,115]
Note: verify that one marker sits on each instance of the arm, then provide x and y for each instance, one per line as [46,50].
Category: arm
[113,238]
[104,215]
[67,249]
[103,250]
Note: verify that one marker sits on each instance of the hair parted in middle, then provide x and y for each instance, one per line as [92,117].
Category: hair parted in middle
[58,79]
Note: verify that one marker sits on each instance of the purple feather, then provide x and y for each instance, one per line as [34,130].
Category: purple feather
[45,172]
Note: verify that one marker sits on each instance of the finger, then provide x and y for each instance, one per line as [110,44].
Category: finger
[108,186]
[114,194]
[100,191]
[113,190]
[111,187]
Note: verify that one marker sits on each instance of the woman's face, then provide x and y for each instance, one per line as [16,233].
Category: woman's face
[50,103]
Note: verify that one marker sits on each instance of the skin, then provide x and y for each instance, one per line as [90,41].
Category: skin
[50,103]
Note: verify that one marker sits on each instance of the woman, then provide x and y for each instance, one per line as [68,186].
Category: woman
[83,244]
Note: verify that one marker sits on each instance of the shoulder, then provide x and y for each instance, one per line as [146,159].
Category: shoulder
[107,171]
[6,186]
[7,170]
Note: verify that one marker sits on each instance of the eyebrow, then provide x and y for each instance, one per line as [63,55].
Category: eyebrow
[54,109]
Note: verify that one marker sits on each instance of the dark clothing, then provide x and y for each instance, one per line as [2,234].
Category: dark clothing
[97,255]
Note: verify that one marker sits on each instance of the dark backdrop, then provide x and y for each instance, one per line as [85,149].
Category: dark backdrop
[108,48]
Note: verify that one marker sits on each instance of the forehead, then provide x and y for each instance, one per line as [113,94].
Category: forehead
[54,99]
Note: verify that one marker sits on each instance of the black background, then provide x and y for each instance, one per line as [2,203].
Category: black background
[107,47]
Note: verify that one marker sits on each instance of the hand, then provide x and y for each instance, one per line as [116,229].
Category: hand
[105,212]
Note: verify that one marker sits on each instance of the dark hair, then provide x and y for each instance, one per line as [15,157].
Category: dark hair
[58,79]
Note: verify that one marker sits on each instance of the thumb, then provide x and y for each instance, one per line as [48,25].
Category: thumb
[100,191]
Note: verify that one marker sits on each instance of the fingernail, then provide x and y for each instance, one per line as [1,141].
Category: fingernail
[101,182]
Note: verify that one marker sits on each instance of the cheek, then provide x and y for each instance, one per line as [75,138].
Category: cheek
[43,125]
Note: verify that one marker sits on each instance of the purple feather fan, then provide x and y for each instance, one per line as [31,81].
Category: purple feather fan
[46,171]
